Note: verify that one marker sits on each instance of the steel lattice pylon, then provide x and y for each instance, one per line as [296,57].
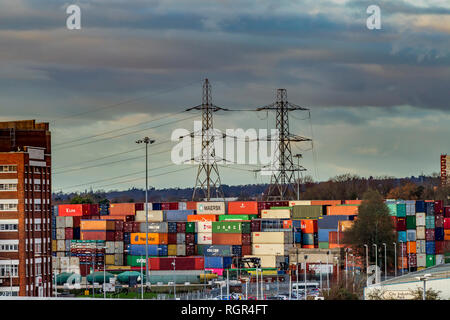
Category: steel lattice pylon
[282,181]
[207,183]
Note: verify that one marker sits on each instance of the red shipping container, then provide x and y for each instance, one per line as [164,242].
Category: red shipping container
[139,206]
[118,236]
[447,212]
[181,227]
[401,224]
[190,249]
[287,224]
[412,260]
[246,239]
[255,225]
[119,225]
[227,238]
[325,202]
[171,238]
[439,221]
[98,235]
[353,201]
[246,250]
[136,226]
[169,206]
[447,223]
[70,210]
[122,209]
[128,227]
[439,247]
[438,206]
[119,218]
[190,238]
[403,249]
[77,221]
[199,263]
[429,234]
[191,205]
[394,221]
[243,207]
[68,234]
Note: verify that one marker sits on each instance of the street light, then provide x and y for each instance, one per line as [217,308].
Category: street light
[395,256]
[367,264]
[385,262]
[424,278]
[401,241]
[376,262]
[328,277]
[320,272]
[174,281]
[147,141]
[346,266]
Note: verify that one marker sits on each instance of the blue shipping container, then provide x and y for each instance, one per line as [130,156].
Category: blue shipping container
[402,236]
[331,222]
[323,234]
[218,262]
[297,237]
[429,208]
[177,215]
[430,247]
[153,249]
[420,206]
[308,238]
[439,234]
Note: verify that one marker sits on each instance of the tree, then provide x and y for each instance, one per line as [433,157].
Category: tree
[373,226]
[429,295]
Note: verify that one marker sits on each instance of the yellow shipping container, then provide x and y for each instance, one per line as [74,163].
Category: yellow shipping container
[153,238]
[276,214]
[109,259]
[54,245]
[172,250]
[270,237]
[97,225]
[153,216]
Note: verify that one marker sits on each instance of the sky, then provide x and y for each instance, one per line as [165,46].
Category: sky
[378,99]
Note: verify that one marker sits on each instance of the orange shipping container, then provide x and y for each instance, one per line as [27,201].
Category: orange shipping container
[446,235]
[120,218]
[342,210]
[201,217]
[411,247]
[309,226]
[153,238]
[308,246]
[325,202]
[97,225]
[353,201]
[243,207]
[344,225]
[287,224]
[335,245]
[402,263]
[122,209]
[227,238]
[191,205]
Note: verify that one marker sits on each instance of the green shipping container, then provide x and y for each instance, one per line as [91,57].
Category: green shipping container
[135,261]
[191,227]
[429,222]
[323,245]
[227,217]
[392,209]
[230,227]
[281,208]
[401,210]
[431,260]
[447,257]
[301,212]
[411,222]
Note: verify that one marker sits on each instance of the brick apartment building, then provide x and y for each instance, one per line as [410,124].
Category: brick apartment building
[25,209]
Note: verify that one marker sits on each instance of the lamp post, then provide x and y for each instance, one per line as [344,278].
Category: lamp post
[395,258]
[401,241]
[306,292]
[409,256]
[385,262]
[147,141]
[320,273]
[175,280]
[424,278]
[376,262]
[328,277]
[337,267]
[367,264]
[346,266]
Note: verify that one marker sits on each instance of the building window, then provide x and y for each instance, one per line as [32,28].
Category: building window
[37,207]
[37,187]
[7,270]
[9,247]
[8,227]
[8,206]
[8,187]
[8,168]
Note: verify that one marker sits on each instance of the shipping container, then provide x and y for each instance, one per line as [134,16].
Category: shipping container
[230,227]
[153,250]
[271,261]
[299,203]
[309,226]
[153,216]
[204,238]
[77,209]
[421,260]
[153,238]
[326,202]
[214,250]
[342,210]
[227,238]
[411,247]
[122,209]
[271,249]
[218,262]
[332,222]
[276,214]
[177,215]
[323,234]
[201,217]
[420,233]
[239,217]
[243,207]
[210,208]
[420,219]
[97,225]
[313,211]
[272,237]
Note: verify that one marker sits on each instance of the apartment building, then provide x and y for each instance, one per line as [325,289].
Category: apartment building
[25,209]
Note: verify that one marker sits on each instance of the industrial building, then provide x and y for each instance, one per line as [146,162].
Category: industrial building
[25,209]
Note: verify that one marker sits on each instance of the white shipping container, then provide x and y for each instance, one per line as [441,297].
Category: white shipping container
[420,219]
[204,238]
[60,222]
[210,207]
[421,260]
[64,263]
[109,247]
[271,261]
[276,214]
[118,259]
[60,234]
[271,237]
[118,247]
[181,238]
[204,226]
[421,246]
[60,254]
[182,206]
[181,249]
[270,249]
[69,222]
[440,259]
[55,262]
[75,261]
[300,203]
[420,233]
[67,243]
[153,216]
